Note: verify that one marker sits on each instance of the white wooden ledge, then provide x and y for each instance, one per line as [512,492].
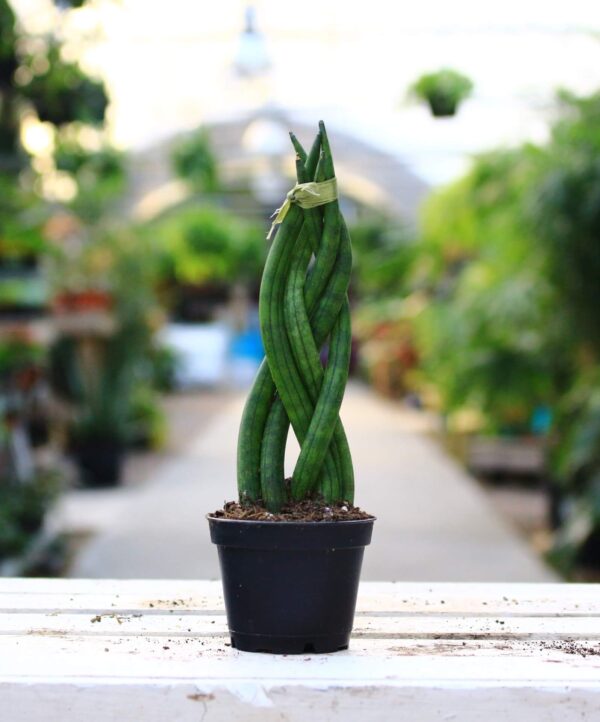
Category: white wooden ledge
[157,651]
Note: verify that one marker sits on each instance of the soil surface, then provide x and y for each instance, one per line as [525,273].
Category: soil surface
[297,511]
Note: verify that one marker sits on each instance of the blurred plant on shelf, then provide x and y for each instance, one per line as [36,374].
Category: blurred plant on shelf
[576,507]
[94,376]
[510,262]
[489,335]
[207,244]
[147,422]
[388,356]
[23,396]
[194,162]
[103,367]
[22,362]
[19,353]
[59,91]
[566,214]
[52,151]
[22,295]
[27,487]
[163,363]
[21,252]
[565,211]
[23,507]
[42,97]
[23,287]
[97,175]
[383,252]
[59,176]
[443,90]
[203,253]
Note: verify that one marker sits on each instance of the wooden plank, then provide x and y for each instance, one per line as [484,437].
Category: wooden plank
[96,660]
[385,597]
[151,651]
[195,701]
[159,623]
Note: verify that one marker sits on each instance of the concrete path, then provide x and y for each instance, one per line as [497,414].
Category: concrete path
[433,522]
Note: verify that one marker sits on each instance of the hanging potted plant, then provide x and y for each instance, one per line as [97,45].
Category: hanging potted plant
[443,90]
[291,549]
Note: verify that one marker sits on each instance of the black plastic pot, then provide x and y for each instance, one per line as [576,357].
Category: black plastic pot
[441,105]
[38,431]
[100,461]
[290,587]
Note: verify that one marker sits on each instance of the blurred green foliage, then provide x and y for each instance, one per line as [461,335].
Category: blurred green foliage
[9,122]
[21,244]
[510,262]
[490,336]
[194,161]
[99,176]
[121,265]
[37,81]
[565,210]
[61,92]
[69,162]
[17,354]
[147,421]
[22,509]
[383,252]
[204,244]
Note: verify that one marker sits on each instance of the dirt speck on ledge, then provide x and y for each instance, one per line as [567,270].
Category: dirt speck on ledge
[569,646]
[308,510]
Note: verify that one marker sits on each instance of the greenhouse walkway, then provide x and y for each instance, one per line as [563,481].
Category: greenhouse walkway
[434,521]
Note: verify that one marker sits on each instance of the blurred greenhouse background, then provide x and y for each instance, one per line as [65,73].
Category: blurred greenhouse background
[142,152]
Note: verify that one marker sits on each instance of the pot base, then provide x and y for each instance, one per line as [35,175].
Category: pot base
[290,645]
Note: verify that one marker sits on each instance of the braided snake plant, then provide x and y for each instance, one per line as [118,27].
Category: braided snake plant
[303,306]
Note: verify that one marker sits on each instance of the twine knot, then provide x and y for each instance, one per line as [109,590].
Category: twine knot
[306,195]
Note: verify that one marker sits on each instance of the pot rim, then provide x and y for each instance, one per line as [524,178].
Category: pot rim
[336,522]
[258,534]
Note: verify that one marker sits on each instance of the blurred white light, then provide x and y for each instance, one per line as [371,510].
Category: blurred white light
[269,187]
[58,186]
[251,58]
[37,137]
[265,137]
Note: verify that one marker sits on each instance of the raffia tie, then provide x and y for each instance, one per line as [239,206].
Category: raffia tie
[306,195]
